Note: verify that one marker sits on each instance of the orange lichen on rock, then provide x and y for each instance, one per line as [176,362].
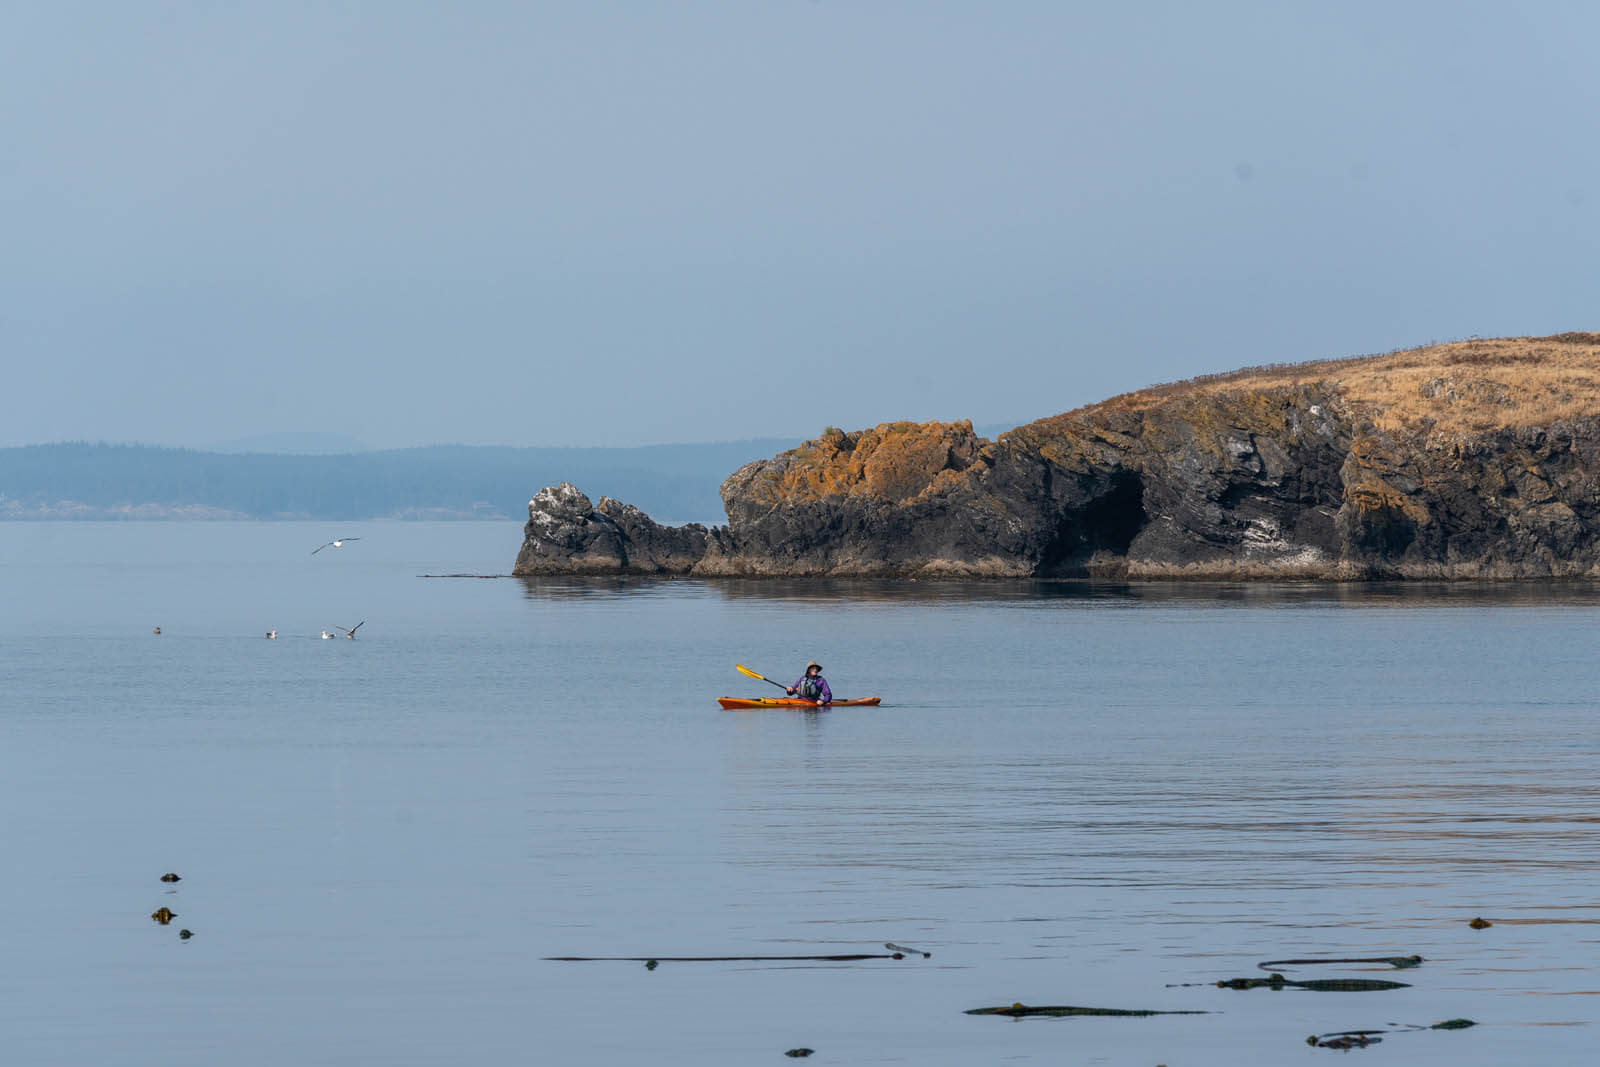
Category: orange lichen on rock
[895,461]
[1373,496]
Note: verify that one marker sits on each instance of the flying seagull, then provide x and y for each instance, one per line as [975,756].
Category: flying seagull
[334,544]
[351,633]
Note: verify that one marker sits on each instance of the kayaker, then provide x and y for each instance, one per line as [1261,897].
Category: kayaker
[812,685]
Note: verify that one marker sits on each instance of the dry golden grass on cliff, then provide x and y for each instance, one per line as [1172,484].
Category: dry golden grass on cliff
[1456,388]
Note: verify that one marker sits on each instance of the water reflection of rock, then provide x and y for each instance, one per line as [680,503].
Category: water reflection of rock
[1404,595]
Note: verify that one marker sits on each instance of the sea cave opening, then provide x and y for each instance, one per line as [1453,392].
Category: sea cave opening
[1106,526]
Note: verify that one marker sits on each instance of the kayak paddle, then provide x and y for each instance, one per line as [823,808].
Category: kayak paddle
[748,673]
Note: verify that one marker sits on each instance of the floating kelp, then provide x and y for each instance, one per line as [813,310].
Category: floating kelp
[1480,923]
[798,1053]
[170,877]
[1017,1011]
[1319,985]
[892,947]
[1399,963]
[163,915]
[1345,1040]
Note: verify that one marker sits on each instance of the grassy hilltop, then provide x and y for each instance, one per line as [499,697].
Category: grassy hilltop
[1458,388]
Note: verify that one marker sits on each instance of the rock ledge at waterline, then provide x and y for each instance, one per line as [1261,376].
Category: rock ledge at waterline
[1475,459]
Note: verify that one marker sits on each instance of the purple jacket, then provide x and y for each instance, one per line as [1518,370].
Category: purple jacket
[827,694]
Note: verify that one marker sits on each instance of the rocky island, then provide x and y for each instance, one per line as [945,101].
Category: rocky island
[1477,459]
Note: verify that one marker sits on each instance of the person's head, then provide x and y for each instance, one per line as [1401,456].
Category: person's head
[813,667]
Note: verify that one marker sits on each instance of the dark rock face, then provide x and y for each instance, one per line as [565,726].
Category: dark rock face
[1248,482]
[649,547]
[566,534]
[1510,503]
[1294,481]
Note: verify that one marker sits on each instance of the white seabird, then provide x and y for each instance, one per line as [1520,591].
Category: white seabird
[337,543]
[326,636]
[272,633]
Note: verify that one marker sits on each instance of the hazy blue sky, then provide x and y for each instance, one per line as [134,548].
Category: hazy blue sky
[625,223]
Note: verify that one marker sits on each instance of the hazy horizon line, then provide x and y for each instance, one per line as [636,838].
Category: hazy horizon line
[355,447]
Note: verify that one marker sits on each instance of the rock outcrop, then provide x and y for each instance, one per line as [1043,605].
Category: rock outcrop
[566,534]
[1479,459]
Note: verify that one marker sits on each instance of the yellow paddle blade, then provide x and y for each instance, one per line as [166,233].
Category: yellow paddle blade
[748,673]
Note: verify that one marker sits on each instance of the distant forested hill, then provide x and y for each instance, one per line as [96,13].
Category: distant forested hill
[98,481]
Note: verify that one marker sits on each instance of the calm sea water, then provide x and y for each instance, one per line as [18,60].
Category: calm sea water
[1100,796]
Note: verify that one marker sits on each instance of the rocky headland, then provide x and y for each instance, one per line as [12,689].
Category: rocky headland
[1474,459]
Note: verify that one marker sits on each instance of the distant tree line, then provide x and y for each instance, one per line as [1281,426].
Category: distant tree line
[674,483]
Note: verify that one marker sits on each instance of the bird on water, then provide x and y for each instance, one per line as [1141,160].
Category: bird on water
[351,632]
[337,543]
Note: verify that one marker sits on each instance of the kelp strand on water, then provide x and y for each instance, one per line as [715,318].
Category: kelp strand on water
[1020,1010]
[842,958]
[1318,985]
[1397,962]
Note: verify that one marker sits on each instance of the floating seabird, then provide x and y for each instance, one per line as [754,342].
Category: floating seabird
[334,544]
[272,633]
[156,630]
[326,635]
[351,633]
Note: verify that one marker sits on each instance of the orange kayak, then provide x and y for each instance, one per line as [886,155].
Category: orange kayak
[794,703]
